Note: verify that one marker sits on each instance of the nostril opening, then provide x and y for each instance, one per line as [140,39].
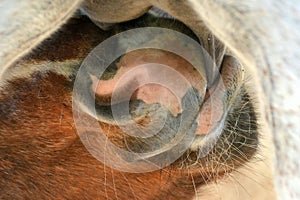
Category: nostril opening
[151,76]
[220,97]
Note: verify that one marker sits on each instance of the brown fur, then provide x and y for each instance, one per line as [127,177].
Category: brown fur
[43,158]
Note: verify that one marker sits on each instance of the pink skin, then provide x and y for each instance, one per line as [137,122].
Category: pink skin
[166,87]
[134,71]
[216,106]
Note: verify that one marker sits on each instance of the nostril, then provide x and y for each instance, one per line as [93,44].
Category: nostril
[152,76]
[221,96]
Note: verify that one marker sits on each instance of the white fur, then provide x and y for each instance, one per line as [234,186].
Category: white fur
[265,35]
[26,23]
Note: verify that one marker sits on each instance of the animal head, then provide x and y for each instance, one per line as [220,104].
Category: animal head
[46,154]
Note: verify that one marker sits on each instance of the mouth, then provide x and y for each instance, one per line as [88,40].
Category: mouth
[142,103]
